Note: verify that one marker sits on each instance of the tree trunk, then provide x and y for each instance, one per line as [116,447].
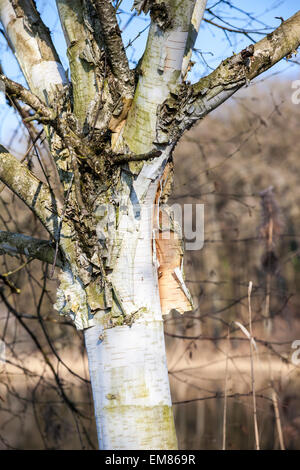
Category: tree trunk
[124,336]
[130,385]
[127,363]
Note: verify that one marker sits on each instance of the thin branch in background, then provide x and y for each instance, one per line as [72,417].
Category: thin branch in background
[23,114]
[72,406]
[277,418]
[275,403]
[118,4]
[233,30]
[252,369]
[270,231]
[137,36]
[225,392]
[200,54]
[32,144]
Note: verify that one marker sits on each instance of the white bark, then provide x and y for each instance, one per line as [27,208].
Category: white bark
[197,16]
[135,270]
[160,72]
[39,63]
[128,363]
[130,384]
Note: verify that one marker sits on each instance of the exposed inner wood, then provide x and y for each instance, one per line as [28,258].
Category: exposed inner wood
[169,251]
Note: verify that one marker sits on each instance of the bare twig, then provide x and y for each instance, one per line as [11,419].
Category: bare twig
[252,369]
[118,159]
[43,112]
[225,391]
[277,418]
[18,244]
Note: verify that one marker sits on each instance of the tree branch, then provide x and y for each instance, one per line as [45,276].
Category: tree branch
[191,103]
[160,68]
[33,47]
[120,159]
[30,189]
[197,16]
[14,244]
[83,54]
[45,114]
[234,30]
[17,90]
[41,201]
[115,47]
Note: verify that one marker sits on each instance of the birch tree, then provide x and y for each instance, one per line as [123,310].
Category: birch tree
[111,132]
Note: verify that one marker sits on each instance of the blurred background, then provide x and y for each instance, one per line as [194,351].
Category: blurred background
[242,163]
